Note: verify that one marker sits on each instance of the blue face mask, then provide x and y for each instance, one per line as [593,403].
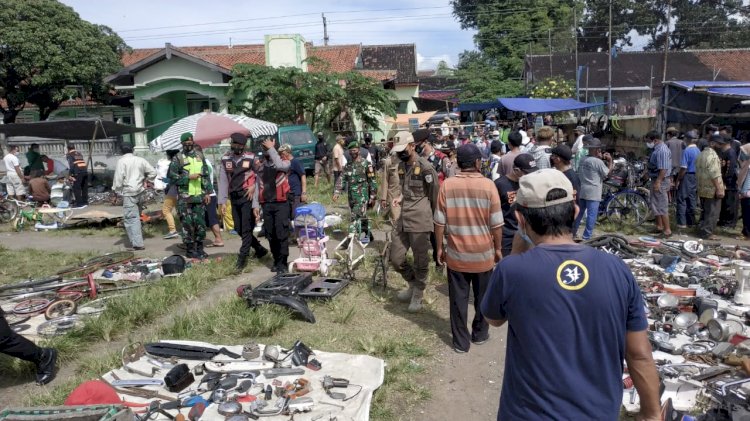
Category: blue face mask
[525,237]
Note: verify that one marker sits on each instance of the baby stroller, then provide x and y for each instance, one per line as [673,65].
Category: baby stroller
[309,224]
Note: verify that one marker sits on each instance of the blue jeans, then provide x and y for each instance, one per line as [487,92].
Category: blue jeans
[131,213]
[686,200]
[591,209]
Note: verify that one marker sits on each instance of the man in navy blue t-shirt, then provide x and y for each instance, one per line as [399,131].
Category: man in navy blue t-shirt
[574,314]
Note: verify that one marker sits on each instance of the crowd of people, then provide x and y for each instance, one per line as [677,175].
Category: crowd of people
[499,209]
[43,180]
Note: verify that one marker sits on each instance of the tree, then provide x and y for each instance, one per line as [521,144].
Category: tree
[507,31]
[46,50]
[287,94]
[694,24]
[443,69]
[480,79]
[700,24]
[627,16]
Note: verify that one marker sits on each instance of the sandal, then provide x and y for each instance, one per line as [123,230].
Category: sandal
[215,245]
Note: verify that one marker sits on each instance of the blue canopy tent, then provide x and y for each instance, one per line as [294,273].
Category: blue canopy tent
[530,105]
[703,102]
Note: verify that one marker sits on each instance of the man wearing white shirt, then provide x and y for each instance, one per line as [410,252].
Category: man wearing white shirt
[131,174]
[15,185]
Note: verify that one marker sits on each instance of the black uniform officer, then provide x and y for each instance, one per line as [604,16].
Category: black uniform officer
[237,181]
[15,345]
[79,174]
[275,199]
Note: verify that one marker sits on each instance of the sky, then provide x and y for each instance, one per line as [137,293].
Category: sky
[151,23]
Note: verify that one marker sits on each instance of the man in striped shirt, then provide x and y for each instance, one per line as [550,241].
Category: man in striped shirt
[469,212]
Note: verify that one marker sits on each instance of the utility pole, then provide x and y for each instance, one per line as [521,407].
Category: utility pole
[325,29]
[666,39]
[609,66]
[575,36]
[549,40]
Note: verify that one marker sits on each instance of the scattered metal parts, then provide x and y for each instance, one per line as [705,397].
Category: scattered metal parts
[229,408]
[251,351]
[137,382]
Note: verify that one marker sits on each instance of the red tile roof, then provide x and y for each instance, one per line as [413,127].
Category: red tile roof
[341,58]
[731,64]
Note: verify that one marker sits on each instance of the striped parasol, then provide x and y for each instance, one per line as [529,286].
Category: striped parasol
[210,128]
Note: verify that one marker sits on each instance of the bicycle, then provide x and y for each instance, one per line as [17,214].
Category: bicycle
[8,208]
[380,273]
[27,213]
[624,199]
[355,248]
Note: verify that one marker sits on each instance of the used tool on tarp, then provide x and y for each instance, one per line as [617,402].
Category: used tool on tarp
[188,352]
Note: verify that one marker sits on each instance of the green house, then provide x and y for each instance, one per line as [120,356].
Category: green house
[173,82]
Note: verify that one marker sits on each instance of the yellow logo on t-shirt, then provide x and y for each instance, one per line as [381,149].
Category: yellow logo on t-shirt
[572,275]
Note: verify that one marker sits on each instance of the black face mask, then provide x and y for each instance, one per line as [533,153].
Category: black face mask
[419,149]
[187,148]
[403,155]
[320,138]
[238,149]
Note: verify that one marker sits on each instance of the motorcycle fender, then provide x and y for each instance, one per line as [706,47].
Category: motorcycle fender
[296,305]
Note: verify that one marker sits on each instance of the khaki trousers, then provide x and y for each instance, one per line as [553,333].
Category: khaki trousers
[419,243]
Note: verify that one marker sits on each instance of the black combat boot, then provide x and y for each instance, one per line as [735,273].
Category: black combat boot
[199,252]
[190,251]
[241,263]
[45,368]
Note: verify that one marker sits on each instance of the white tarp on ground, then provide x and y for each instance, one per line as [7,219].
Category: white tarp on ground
[361,370]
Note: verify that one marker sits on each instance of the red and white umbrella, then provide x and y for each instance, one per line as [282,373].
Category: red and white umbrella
[210,128]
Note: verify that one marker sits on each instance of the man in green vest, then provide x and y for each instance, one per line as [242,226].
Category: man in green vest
[189,172]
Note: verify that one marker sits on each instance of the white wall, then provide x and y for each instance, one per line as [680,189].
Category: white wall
[405,93]
[286,51]
[177,66]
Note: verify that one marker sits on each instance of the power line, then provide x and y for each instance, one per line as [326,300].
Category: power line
[293,25]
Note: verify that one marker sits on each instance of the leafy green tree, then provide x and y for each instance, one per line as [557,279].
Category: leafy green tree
[443,69]
[694,24]
[45,47]
[289,95]
[627,16]
[480,79]
[508,30]
[700,24]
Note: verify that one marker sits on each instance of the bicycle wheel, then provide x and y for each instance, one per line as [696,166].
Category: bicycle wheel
[627,208]
[95,263]
[32,306]
[8,211]
[60,308]
[59,326]
[380,274]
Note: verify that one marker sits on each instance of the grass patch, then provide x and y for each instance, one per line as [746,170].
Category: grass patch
[18,265]
[143,305]
[127,313]
[229,320]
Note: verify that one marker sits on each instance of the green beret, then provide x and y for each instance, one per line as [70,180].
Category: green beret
[353,145]
[185,136]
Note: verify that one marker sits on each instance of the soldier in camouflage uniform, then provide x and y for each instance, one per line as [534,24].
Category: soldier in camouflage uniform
[189,172]
[359,178]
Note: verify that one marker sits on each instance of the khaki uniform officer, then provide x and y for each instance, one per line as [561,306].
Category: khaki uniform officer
[419,190]
[389,187]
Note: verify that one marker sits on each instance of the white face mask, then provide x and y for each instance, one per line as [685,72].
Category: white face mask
[650,145]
